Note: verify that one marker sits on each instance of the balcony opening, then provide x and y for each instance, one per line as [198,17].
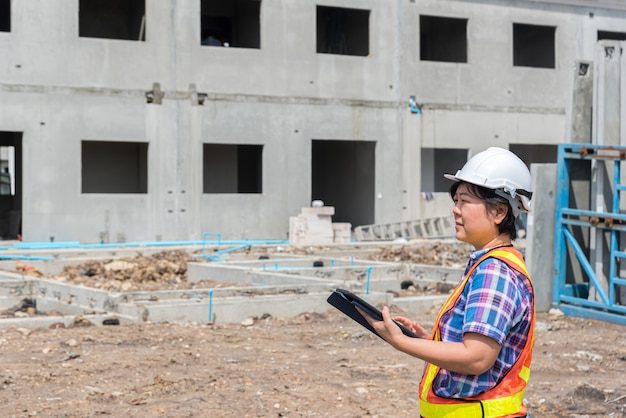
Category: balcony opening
[342,31]
[613,36]
[436,162]
[234,23]
[114,167]
[534,46]
[5,15]
[232,168]
[443,39]
[112,19]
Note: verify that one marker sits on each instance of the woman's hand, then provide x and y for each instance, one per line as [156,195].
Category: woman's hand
[416,328]
[475,355]
[385,328]
[389,330]
[388,327]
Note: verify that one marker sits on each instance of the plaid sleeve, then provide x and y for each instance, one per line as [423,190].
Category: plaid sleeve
[491,300]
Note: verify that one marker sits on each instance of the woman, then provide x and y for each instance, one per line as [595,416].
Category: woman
[478,356]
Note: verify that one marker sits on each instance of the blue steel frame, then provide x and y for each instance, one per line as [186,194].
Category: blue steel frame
[572,299]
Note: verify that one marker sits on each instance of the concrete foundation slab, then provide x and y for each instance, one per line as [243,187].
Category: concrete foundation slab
[276,285]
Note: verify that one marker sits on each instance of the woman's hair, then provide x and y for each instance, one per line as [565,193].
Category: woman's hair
[491,200]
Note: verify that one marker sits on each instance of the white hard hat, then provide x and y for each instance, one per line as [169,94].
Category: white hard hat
[501,170]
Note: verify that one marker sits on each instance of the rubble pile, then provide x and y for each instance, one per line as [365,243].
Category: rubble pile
[438,254]
[163,270]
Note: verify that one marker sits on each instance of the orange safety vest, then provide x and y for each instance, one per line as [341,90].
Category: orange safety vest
[506,398]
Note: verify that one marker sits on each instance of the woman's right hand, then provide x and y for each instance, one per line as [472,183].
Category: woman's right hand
[416,328]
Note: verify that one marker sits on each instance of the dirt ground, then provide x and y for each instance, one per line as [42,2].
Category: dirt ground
[309,365]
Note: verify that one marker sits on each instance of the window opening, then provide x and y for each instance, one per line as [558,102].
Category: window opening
[5,15]
[535,153]
[614,36]
[114,167]
[342,31]
[436,162]
[533,46]
[234,23]
[232,168]
[443,39]
[112,19]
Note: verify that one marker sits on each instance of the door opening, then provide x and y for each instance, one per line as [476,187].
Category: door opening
[343,175]
[10,185]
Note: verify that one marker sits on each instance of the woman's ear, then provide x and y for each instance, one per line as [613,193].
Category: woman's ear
[500,213]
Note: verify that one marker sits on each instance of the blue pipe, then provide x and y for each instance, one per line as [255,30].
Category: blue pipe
[23,257]
[73,244]
[216,255]
[206,234]
[367,283]
[210,306]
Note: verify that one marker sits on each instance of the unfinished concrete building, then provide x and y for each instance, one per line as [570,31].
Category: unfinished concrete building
[146,120]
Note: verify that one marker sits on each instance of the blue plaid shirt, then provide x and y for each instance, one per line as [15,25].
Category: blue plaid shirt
[496,302]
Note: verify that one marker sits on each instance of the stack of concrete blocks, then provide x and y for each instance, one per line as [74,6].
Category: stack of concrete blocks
[313,226]
[342,232]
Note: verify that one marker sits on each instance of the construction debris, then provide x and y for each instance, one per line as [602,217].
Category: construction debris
[435,254]
[164,270]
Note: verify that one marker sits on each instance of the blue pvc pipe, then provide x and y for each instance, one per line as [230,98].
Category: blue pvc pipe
[23,257]
[75,244]
[367,283]
[210,306]
[206,234]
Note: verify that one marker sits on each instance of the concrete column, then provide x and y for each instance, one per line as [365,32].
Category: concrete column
[540,234]
[580,118]
[411,163]
[607,106]
[162,135]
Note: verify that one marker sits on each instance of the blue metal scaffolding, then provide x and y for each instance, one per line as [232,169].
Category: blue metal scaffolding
[596,295]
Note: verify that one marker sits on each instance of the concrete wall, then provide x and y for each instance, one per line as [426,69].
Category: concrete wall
[58,89]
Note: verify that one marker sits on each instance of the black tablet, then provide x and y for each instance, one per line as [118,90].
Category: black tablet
[346,301]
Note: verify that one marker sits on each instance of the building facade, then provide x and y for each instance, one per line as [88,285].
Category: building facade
[160,120]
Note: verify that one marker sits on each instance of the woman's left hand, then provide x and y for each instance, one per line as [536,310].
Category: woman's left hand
[389,330]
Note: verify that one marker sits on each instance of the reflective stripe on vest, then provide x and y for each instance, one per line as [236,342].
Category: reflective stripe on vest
[506,398]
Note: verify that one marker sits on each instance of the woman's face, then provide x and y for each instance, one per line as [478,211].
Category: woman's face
[473,223]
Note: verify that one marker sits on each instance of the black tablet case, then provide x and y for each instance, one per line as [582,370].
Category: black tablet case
[345,301]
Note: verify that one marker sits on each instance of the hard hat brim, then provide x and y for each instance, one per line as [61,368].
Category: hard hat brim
[457,179]
[451,177]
